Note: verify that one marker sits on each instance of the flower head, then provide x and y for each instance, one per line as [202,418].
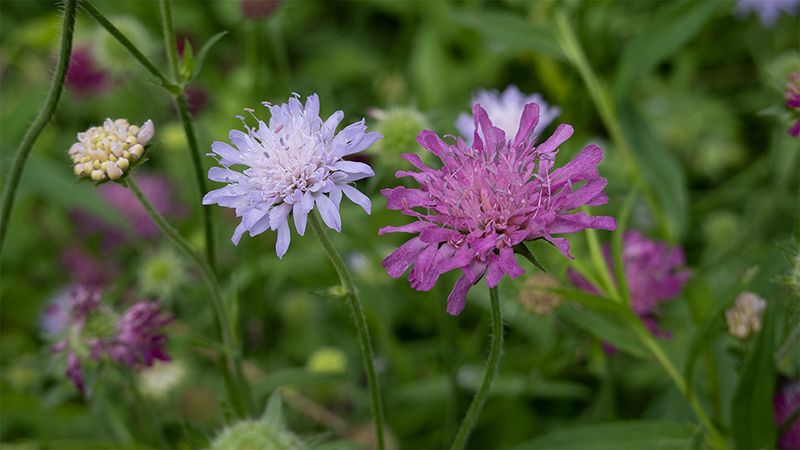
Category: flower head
[107,152]
[792,97]
[652,272]
[295,162]
[505,109]
[488,198]
[91,328]
[767,10]
[785,403]
[745,316]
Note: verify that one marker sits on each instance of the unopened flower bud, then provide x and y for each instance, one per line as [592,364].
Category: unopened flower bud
[107,151]
[123,163]
[98,175]
[136,152]
[745,316]
[146,132]
[114,172]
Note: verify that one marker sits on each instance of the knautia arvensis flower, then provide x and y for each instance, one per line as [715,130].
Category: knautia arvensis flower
[744,318]
[488,198]
[294,162]
[106,152]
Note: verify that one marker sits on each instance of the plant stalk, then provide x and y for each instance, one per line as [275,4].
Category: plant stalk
[360,322]
[145,410]
[41,121]
[238,390]
[491,370]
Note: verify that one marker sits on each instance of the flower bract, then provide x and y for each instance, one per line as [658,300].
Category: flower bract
[293,163]
[488,198]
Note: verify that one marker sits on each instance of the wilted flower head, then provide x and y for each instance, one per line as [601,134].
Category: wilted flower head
[107,151]
[785,403]
[792,97]
[767,10]
[93,328]
[488,198]
[295,162]
[745,316]
[505,110]
[652,272]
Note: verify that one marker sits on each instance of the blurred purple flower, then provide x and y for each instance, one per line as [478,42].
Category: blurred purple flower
[651,271]
[767,10]
[785,403]
[54,317]
[505,109]
[85,268]
[293,163]
[487,199]
[90,328]
[157,189]
[83,75]
[258,9]
[794,103]
[138,339]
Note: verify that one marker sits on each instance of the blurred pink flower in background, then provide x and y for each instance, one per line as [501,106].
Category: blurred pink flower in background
[785,403]
[83,75]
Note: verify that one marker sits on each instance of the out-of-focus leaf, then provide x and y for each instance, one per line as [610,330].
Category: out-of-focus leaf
[294,377]
[752,420]
[661,171]
[187,71]
[511,30]
[605,330]
[596,302]
[616,435]
[273,413]
[673,26]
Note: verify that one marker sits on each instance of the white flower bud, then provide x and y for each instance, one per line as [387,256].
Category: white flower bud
[113,171]
[146,132]
[123,164]
[98,175]
[136,151]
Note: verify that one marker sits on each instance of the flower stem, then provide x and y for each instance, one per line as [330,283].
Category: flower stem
[145,410]
[491,370]
[171,46]
[716,440]
[360,322]
[49,108]
[114,31]
[238,390]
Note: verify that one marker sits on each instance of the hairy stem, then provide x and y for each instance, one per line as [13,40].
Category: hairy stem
[238,389]
[169,37]
[360,322]
[49,108]
[491,370]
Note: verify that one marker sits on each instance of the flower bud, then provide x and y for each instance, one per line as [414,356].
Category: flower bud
[745,316]
[145,133]
[114,172]
[103,152]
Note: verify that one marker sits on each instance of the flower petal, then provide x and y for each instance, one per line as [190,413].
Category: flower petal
[284,237]
[329,212]
[402,258]
[357,197]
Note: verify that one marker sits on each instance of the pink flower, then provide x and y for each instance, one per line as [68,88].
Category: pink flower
[794,103]
[83,75]
[138,339]
[651,271]
[784,404]
[487,199]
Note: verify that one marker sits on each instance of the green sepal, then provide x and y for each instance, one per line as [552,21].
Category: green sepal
[201,55]
[187,71]
[523,250]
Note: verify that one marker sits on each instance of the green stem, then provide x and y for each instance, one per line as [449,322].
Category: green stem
[787,346]
[360,321]
[114,31]
[491,370]
[145,410]
[169,37]
[240,395]
[716,440]
[49,108]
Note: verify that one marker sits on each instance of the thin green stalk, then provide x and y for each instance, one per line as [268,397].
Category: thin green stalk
[114,31]
[360,322]
[491,370]
[238,391]
[145,410]
[716,440]
[169,37]
[791,341]
[49,108]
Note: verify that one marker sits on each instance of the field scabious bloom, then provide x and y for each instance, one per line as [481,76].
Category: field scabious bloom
[486,199]
[767,10]
[92,328]
[651,272]
[295,162]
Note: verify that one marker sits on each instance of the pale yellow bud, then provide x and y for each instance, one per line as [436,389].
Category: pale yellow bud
[79,169]
[103,166]
[123,163]
[114,172]
[113,158]
[132,140]
[98,175]
[137,151]
[96,165]
[146,132]
[132,130]
[126,154]
[87,169]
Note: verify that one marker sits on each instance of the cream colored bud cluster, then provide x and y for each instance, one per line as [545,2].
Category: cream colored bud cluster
[745,316]
[108,151]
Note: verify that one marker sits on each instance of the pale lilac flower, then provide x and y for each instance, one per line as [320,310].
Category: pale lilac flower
[487,199]
[652,272]
[767,10]
[295,162]
[784,403]
[505,109]
[90,329]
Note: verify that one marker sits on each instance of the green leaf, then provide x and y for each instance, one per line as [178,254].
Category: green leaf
[605,330]
[511,30]
[752,420]
[201,55]
[674,25]
[523,250]
[294,377]
[660,170]
[187,71]
[616,244]
[273,413]
[198,439]
[615,435]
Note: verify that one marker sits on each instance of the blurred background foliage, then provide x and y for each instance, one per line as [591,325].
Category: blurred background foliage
[699,96]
